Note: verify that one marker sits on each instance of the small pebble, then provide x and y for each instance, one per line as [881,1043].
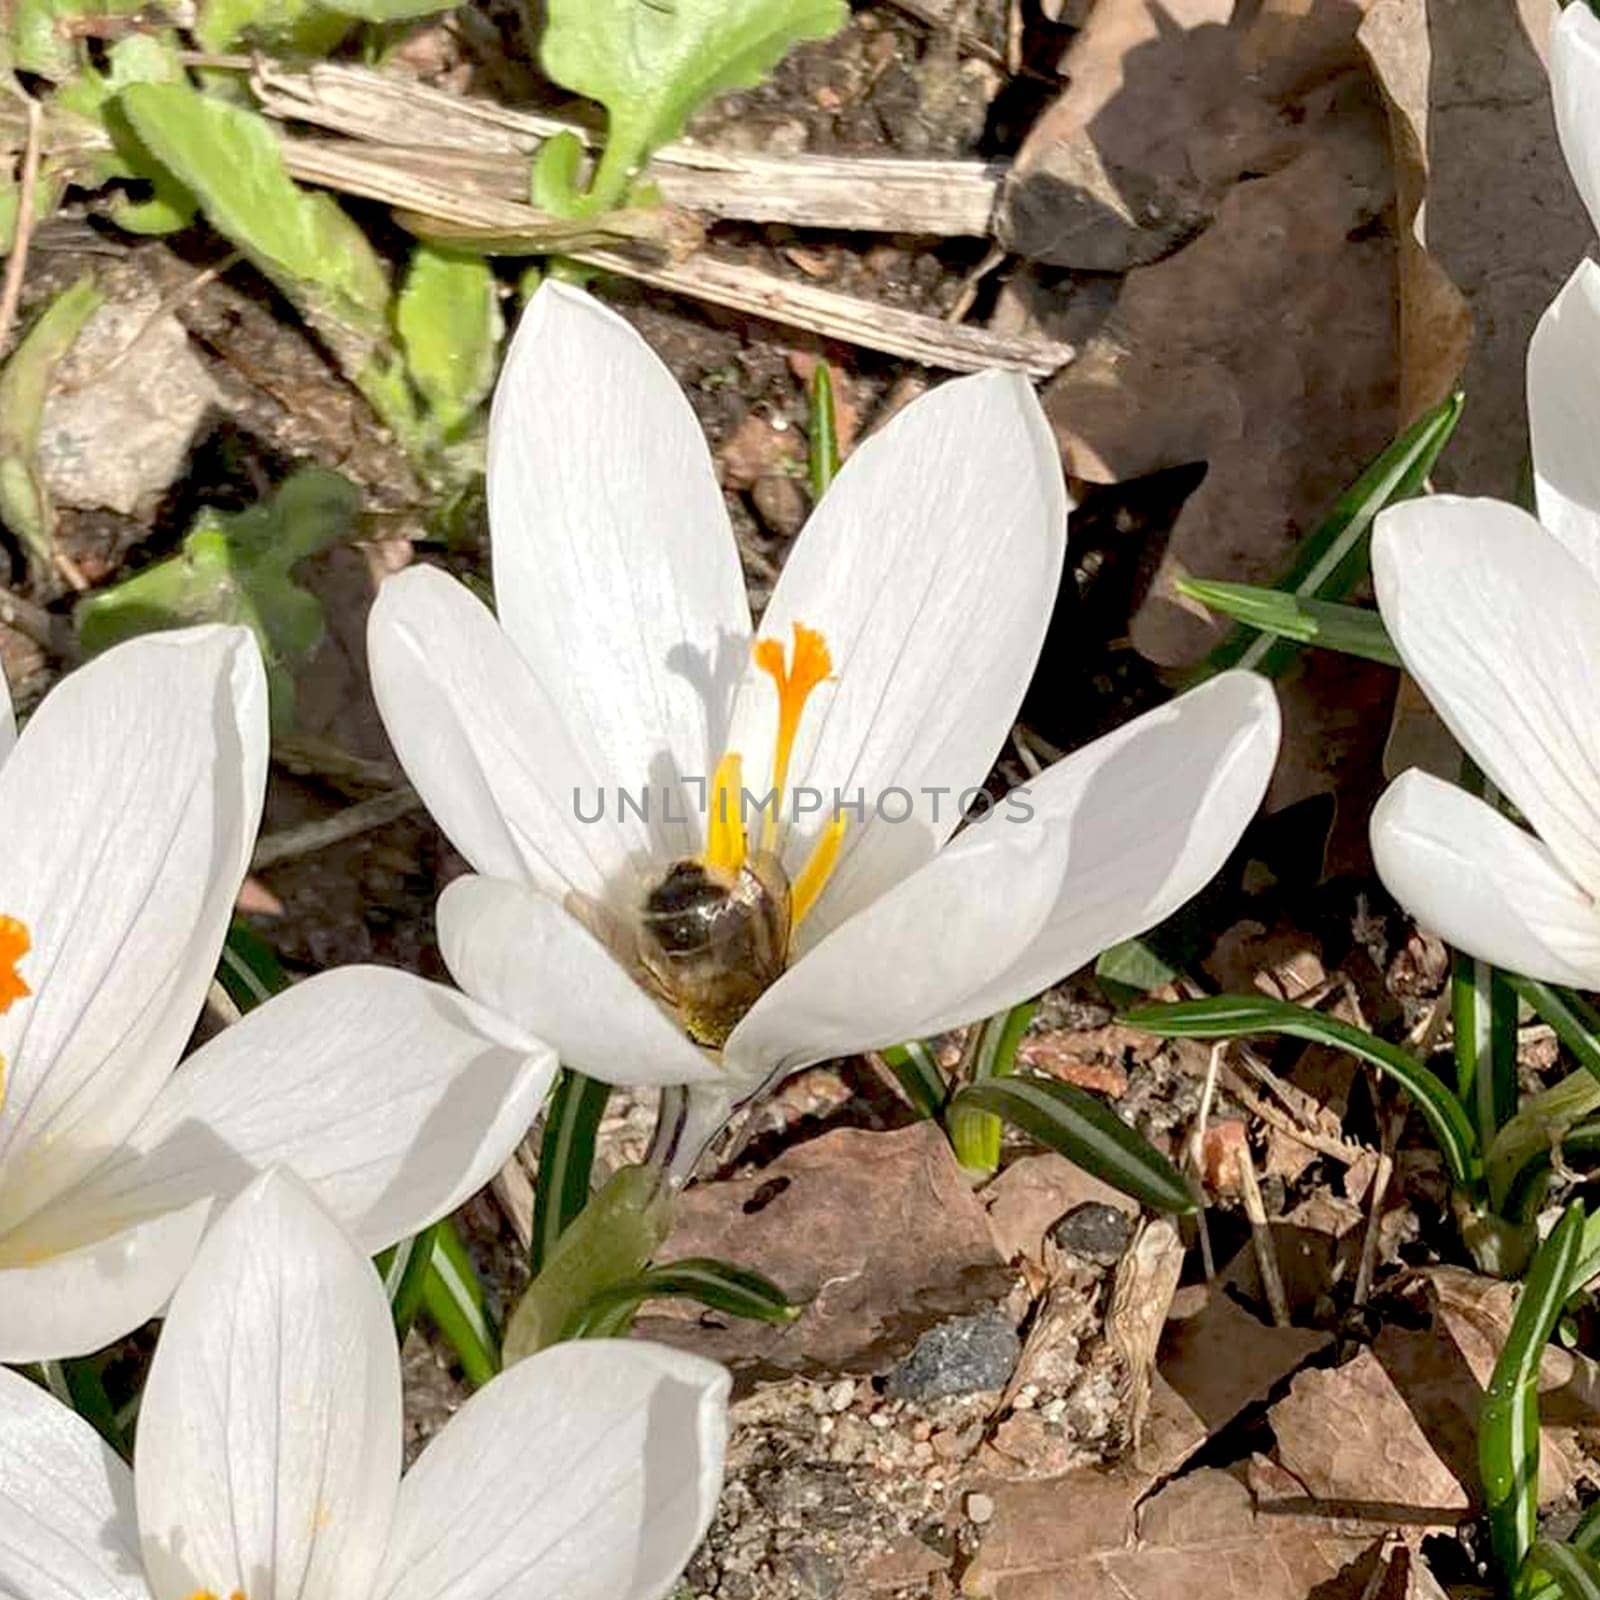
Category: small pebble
[980,1508]
[841,1394]
[881,1419]
[1094,1231]
[965,1355]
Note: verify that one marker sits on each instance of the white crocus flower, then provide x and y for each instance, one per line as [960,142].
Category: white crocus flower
[269,1448]
[128,810]
[884,681]
[1497,617]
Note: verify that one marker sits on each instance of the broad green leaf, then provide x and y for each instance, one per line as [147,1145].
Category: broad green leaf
[734,1291]
[1084,1130]
[249,968]
[1560,1569]
[1235,1016]
[652,63]
[975,1135]
[455,1302]
[229,158]
[25,506]
[1334,558]
[566,1158]
[822,449]
[609,1242]
[1508,1423]
[1351,630]
[919,1077]
[238,567]
[448,318]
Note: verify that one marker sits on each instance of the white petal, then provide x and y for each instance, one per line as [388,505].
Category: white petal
[1501,627]
[930,569]
[128,810]
[910,963]
[78,1299]
[482,741]
[1575,88]
[8,719]
[67,1529]
[268,1456]
[615,569]
[1470,875]
[522,955]
[1154,810]
[395,1099]
[1563,412]
[589,1472]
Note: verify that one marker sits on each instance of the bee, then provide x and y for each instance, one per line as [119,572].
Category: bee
[714,941]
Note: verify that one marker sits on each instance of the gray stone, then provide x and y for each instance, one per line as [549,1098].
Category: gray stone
[966,1355]
[1095,1232]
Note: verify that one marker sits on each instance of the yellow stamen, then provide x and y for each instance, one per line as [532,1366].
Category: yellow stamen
[809,666]
[210,1594]
[815,873]
[725,839]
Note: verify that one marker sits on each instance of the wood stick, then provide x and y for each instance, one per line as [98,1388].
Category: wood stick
[310,837]
[946,199]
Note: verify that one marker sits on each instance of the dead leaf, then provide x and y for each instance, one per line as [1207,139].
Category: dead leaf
[1141,1297]
[879,1233]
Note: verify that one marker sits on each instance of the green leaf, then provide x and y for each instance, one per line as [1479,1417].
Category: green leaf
[448,319]
[1562,1569]
[1085,1130]
[1235,1016]
[610,1242]
[1132,969]
[238,567]
[822,448]
[455,1302]
[1508,1423]
[25,506]
[919,1077]
[1334,558]
[566,1158]
[1484,1007]
[1351,630]
[249,968]
[78,1384]
[229,158]
[1574,1020]
[975,1135]
[652,63]
[404,1270]
[735,1291]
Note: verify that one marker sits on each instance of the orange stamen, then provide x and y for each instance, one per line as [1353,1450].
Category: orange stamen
[809,665]
[14,945]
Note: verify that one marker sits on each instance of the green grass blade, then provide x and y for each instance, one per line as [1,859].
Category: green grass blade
[249,968]
[1084,1130]
[458,1308]
[718,1285]
[1508,1424]
[975,1135]
[1559,1569]
[1235,1016]
[404,1270]
[1328,624]
[1333,559]
[1484,1006]
[566,1158]
[822,453]
[919,1077]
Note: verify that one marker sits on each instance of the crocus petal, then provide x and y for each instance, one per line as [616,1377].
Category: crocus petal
[129,809]
[908,964]
[615,569]
[1104,845]
[78,1300]
[484,744]
[393,1098]
[930,569]
[1563,405]
[525,957]
[67,1528]
[1501,626]
[589,1471]
[268,1457]
[1154,810]
[1575,87]
[1470,875]
[8,719]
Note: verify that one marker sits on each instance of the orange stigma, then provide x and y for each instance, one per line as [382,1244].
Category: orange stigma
[14,945]
[809,665]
